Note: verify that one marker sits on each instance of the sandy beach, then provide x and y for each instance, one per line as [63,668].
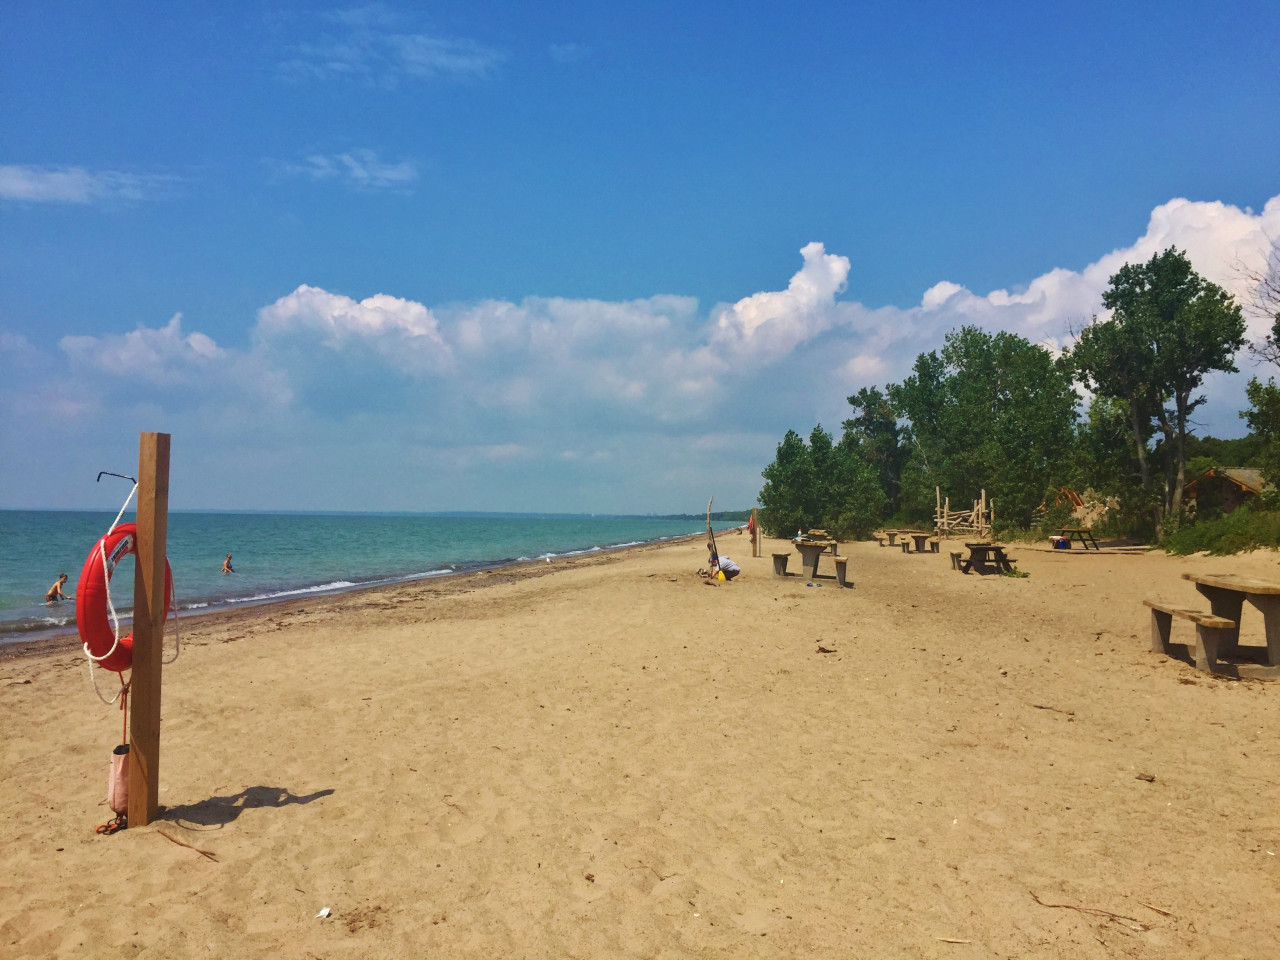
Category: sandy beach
[604,757]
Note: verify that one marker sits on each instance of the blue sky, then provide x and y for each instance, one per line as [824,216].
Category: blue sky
[574,257]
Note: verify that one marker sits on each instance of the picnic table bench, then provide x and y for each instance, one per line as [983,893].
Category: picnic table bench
[1083,534]
[1227,594]
[1211,632]
[983,555]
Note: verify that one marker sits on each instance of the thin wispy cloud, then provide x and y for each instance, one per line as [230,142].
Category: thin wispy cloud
[377,46]
[358,169]
[36,184]
[568,52]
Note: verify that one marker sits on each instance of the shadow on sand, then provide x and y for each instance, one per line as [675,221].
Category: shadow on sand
[216,812]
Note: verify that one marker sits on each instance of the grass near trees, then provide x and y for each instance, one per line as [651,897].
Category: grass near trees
[1242,529]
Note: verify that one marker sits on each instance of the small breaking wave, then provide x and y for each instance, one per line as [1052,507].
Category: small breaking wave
[299,591]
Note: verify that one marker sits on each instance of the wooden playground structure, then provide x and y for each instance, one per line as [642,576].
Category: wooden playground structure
[976,522]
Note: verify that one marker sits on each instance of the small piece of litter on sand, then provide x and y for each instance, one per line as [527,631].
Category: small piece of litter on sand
[1148,777]
[324,912]
[825,650]
[953,940]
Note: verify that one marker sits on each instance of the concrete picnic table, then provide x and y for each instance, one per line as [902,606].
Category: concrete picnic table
[921,539]
[1227,593]
[810,551]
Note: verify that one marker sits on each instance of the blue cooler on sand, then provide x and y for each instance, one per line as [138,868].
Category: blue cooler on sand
[1061,543]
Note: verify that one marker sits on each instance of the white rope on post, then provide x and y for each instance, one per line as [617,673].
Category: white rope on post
[115,619]
[173,611]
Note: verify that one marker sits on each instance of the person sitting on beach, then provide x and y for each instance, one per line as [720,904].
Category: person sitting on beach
[226,565]
[55,592]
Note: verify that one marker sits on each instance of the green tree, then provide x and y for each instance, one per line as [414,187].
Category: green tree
[1169,327]
[856,502]
[1116,363]
[1107,463]
[789,489]
[1263,416]
[992,412]
[878,438]
[823,485]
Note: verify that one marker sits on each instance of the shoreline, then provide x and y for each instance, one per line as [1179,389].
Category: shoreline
[306,555]
[64,639]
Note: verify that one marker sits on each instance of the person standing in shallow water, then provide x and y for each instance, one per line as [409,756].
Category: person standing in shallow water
[55,592]
[226,565]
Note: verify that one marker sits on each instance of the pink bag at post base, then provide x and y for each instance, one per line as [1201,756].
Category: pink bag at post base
[118,780]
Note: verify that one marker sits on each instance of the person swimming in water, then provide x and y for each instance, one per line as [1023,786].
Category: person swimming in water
[226,565]
[55,592]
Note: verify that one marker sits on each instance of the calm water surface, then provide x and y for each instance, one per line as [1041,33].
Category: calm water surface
[285,555]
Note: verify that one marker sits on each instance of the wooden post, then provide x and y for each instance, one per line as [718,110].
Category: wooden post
[755,533]
[148,628]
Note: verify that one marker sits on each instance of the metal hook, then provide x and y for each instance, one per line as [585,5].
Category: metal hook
[108,473]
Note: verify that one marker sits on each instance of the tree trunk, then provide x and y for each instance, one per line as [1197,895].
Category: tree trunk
[1144,467]
[1135,422]
[1180,450]
[1170,468]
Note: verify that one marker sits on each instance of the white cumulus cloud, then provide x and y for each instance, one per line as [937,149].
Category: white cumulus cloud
[776,321]
[161,356]
[403,332]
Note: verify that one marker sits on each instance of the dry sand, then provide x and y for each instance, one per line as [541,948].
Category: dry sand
[608,758]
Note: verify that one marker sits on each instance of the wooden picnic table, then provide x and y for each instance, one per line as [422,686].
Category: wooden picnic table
[1227,593]
[893,537]
[810,551]
[982,555]
[1082,534]
[921,539]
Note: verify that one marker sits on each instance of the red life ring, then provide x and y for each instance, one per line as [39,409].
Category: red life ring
[91,599]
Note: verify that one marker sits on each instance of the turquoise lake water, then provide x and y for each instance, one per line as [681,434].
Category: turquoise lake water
[278,556]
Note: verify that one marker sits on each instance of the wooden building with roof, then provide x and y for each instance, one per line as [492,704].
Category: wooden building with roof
[1225,487]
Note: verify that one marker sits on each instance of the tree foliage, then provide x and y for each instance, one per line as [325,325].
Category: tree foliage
[879,439]
[1168,328]
[993,412]
[1263,416]
[821,484]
